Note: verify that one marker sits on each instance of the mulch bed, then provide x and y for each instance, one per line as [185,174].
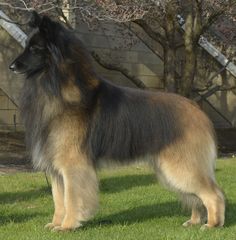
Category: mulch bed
[227,140]
[13,155]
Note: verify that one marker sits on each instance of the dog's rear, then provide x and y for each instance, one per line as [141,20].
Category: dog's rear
[187,166]
[175,132]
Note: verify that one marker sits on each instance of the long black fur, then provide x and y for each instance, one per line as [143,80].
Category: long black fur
[123,123]
[128,124]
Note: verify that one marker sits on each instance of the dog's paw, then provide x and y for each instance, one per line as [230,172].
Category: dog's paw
[190,223]
[187,224]
[60,229]
[208,226]
[205,227]
[65,229]
[49,226]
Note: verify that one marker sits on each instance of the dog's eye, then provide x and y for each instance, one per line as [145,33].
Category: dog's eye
[35,48]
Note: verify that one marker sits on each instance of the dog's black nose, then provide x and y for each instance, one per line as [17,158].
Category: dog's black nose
[12,66]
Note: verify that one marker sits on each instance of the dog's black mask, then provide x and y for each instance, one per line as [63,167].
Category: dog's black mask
[40,44]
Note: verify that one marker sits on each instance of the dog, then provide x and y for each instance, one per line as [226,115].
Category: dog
[75,120]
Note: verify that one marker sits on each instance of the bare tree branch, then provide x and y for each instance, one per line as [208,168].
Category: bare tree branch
[15,7]
[211,20]
[219,88]
[215,16]
[143,41]
[120,69]
[25,5]
[154,35]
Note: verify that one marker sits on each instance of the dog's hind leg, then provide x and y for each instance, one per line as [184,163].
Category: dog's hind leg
[58,198]
[198,211]
[195,218]
[192,173]
[213,199]
[80,195]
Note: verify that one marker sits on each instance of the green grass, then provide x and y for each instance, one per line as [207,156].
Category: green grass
[132,206]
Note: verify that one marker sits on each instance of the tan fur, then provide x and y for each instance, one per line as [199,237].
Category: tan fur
[79,181]
[58,197]
[71,93]
[195,218]
[175,162]
[180,161]
[78,202]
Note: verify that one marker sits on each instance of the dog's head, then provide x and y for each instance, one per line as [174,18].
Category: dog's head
[42,46]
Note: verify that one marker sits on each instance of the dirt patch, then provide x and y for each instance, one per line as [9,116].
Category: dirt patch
[13,154]
[226,141]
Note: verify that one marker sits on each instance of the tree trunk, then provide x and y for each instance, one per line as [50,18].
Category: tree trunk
[190,58]
[169,69]
[189,73]
[193,29]
[169,49]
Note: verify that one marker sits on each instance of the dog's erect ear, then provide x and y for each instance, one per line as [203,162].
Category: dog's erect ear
[47,25]
[43,23]
[35,20]
[48,28]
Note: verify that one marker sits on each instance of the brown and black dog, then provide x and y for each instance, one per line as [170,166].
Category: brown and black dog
[74,120]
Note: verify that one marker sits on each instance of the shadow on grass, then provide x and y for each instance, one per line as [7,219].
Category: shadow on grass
[141,214]
[13,197]
[122,183]
[230,216]
[144,213]
[19,217]
[125,217]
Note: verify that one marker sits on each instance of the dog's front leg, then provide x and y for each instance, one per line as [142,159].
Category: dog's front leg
[58,198]
[80,195]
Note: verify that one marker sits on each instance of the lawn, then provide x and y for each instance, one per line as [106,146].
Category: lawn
[132,206]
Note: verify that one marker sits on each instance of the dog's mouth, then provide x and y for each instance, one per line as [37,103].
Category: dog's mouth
[22,71]
[19,72]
